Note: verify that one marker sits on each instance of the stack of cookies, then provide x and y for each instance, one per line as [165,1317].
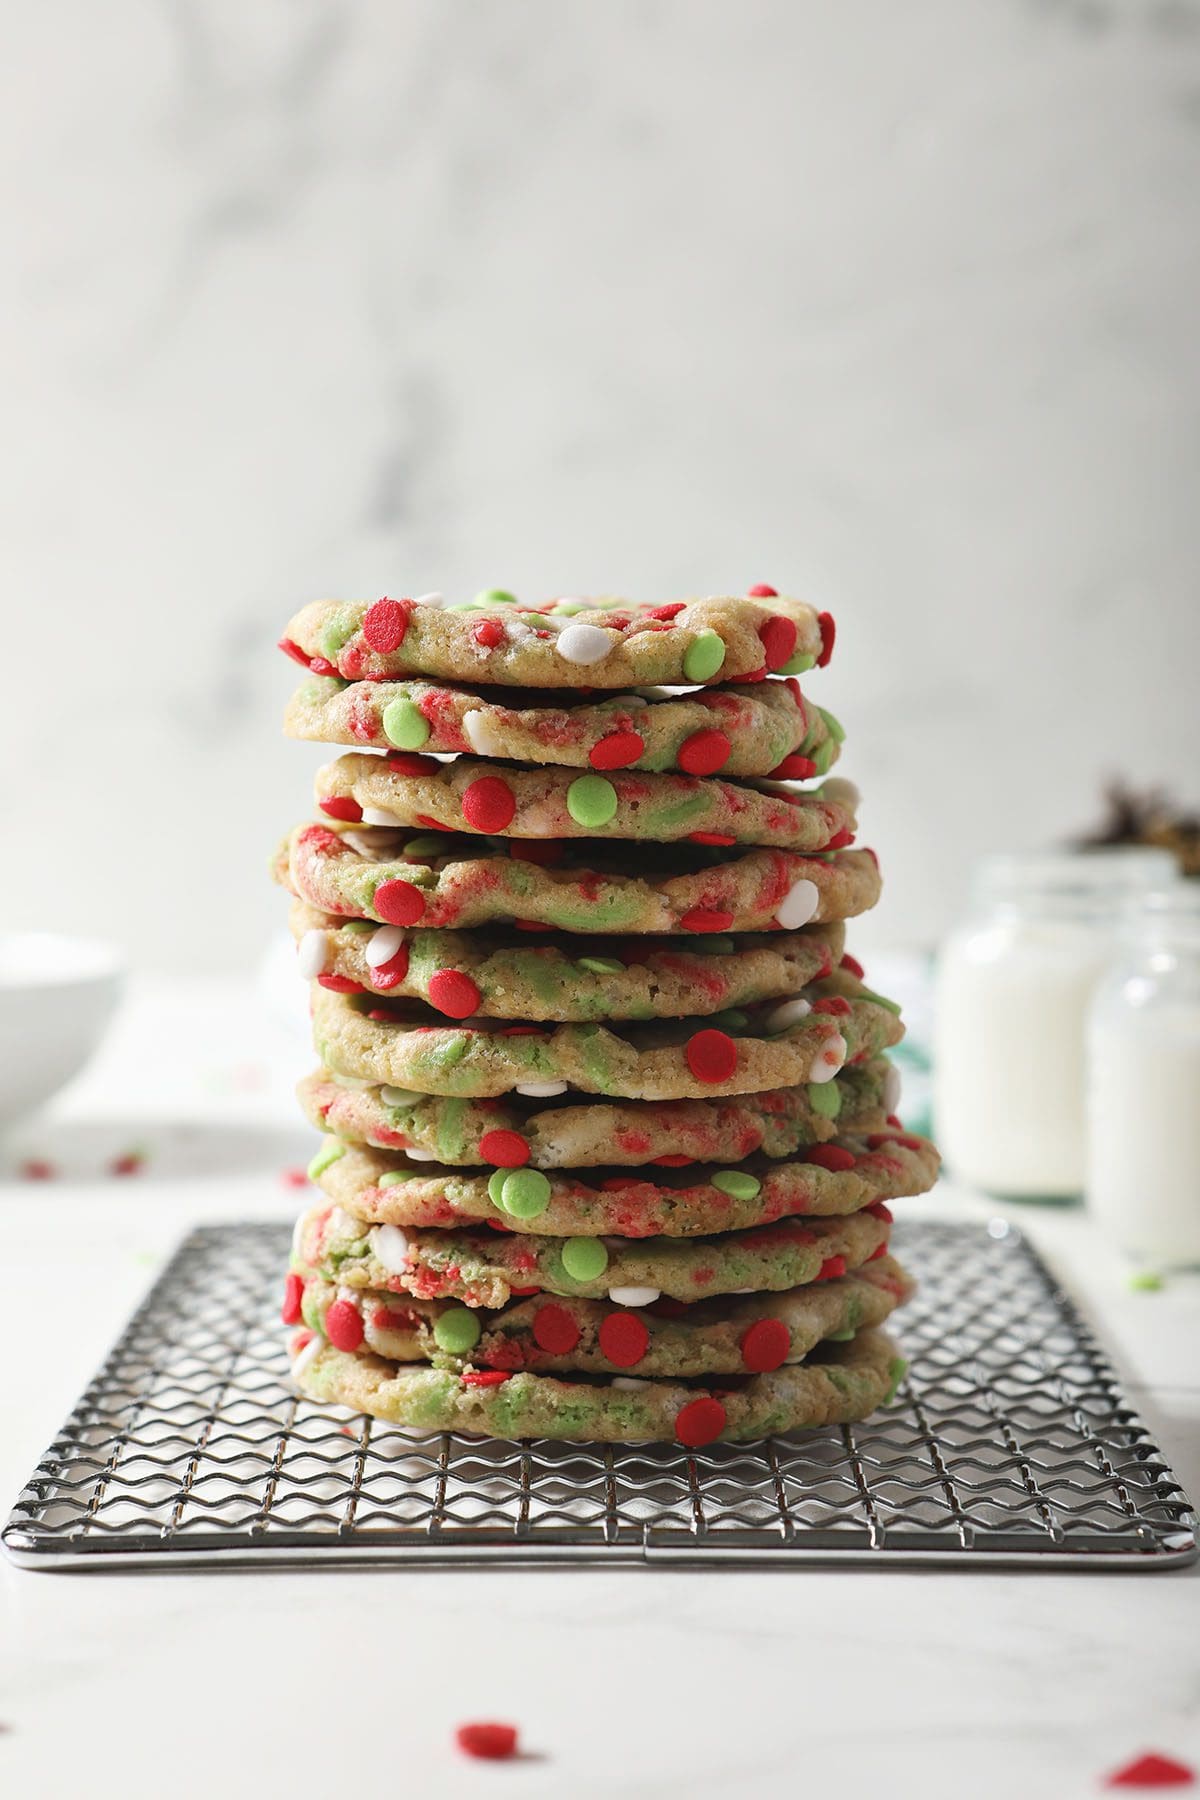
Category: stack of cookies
[610,1127]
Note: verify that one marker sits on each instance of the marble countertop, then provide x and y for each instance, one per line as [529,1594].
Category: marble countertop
[638,1682]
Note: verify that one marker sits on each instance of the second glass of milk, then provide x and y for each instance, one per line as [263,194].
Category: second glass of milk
[1014,985]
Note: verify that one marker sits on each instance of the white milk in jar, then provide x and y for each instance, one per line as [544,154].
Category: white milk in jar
[1013,990]
[1143,1183]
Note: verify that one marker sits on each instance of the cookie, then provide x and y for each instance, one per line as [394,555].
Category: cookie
[511,975]
[581,886]
[743,1051]
[498,800]
[769,728]
[838,1384]
[714,1337]
[561,1130]
[483,1268]
[608,644]
[829,1180]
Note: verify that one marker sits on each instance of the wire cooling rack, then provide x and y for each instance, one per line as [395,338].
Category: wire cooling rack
[1009,1443]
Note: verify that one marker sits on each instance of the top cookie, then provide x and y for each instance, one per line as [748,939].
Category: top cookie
[562,643]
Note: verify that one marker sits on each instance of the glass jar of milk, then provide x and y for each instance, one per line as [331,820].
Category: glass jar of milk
[1143,1184]
[1013,989]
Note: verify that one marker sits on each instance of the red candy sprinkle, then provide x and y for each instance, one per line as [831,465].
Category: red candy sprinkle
[488,633]
[490,1740]
[292,649]
[485,1378]
[321,665]
[616,751]
[666,612]
[840,839]
[555,1330]
[340,806]
[453,993]
[777,635]
[706,918]
[704,752]
[399,902]
[489,804]
[385,625]
[830,1156]
[877,1252]
[343,1325]
[852,965]
[833,1003]
[1153,1770]
[794,768]
[880,1209]
[339,984]
[765,1345]
[711,837]
[699,1422]
[624,1339]
[828,634]
[506,1149]
[762,593]
[391,974]
[672,1161]
[407,762]
[293,1293]
[711,1054]
[832,1267]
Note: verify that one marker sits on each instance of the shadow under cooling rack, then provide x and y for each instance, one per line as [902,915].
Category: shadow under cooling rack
[1009,1443]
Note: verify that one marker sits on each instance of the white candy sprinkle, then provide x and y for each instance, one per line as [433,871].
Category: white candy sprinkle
[798,904]
[298,1237]
[392,1096]
[420,1155]
[390,1246]
[830,1059]
[633,1296]
[581,643]
[382,945]
[482,735]
[891,1089]
[842,792]
[375,815]
[312,954]
[309,1354]
[540,1090]
[790,1013]
[430,600]
[627,1382]
[375,849]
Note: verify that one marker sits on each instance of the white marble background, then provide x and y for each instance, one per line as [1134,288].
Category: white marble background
[893,306]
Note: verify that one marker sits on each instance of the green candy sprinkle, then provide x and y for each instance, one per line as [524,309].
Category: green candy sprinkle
[714,946]
[730,1020]
[328,1154]
[494,597]
[525,1193]
[568,608]
[841,1337]
[359,925]
[703,656]
[825,1098]
[496,1181]
[798,665]
[591,801]
[600,965]
[394,1177]
[897,1370]
[737,1183]
[823,756]
[892,1006]
[836,730]
[584,1258]
[430,843]
[1145,1281]
[457,1330]
[405,725]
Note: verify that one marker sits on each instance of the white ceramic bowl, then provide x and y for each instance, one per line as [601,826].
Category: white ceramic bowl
[57,994]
